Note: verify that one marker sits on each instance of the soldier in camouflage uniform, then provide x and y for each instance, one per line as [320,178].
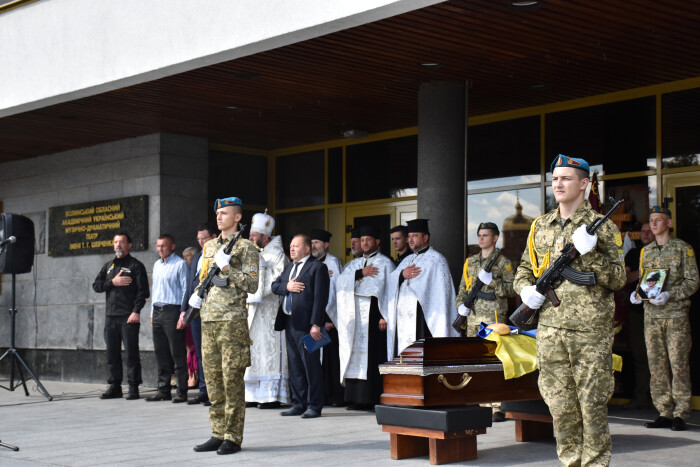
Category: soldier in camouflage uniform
[574,340]
[666,324]
[492,303]
[225,339]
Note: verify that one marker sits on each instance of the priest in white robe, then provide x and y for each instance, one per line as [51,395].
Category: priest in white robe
[420,293]
[362,322]
[267,377]
[320,243]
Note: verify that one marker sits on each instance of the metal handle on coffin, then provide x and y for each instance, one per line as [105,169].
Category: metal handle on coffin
[465,380]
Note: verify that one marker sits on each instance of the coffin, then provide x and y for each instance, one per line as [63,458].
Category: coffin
[452,371]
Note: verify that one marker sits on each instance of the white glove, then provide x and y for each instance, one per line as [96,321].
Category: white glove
[583,241]
[463,310]
[195,301]
[485,277]
[660,299]
[222,259]
[634,299]
[531,297]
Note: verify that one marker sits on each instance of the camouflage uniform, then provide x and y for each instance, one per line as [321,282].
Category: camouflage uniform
[501,286]
[667,328]
[225,339]
[574,340]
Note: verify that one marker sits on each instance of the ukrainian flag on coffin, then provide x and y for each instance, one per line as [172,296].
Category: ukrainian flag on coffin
[518,352]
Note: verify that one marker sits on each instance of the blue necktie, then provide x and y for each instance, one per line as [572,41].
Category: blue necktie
[288,303]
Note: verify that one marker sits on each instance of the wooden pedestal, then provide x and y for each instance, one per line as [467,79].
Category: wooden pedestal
[531,426]
[442,447]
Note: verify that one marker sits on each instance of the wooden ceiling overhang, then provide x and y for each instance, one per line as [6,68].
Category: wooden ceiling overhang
[368,77]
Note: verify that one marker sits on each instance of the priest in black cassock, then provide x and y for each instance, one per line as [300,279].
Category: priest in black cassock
[420,293]
[362,313]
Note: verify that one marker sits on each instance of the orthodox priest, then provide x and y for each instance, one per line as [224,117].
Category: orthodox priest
[362,322]
[320,242]
[267,377]
[421,294]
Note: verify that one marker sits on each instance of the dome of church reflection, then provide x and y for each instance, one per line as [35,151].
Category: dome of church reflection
[515,231]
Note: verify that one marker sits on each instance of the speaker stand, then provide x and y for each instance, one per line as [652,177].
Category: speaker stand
[8,446]
[15,359]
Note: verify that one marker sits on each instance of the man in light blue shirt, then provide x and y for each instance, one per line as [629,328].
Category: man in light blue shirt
[169,287]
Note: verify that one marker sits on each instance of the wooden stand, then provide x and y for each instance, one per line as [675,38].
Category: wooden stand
[442,447]
[531,426]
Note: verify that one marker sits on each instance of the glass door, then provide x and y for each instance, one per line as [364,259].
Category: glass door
[384,217]
[682,193]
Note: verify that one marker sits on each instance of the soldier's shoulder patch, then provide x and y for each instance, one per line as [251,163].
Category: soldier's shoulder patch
[253,269]
[690,252]
[618,239]
[509,267]
[691,262]
[510,276]
[621,252]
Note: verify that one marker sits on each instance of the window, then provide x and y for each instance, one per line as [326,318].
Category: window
[384,169]
[621,136]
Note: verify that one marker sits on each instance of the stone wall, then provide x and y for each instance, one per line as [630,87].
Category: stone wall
[57,308]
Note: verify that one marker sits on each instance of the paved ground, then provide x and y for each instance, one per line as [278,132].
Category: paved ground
[77,428]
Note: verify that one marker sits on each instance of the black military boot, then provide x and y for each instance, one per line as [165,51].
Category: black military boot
[133,392]
[114,391]
[212,444]
[228,447]
[661,422]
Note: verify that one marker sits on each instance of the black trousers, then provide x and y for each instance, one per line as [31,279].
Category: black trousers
[335,391]
[117,331]
[305,372]
[169,346]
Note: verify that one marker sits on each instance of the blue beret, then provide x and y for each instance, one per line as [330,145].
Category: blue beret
[223,202]
[660,210]
[488,226]
[565,161]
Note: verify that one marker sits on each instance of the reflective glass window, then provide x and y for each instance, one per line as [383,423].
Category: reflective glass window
[503,153]
[289,224]
[335,175]
[680,128]
[621,136]
[382,169]
[300,180]
[512,211]
[235,174]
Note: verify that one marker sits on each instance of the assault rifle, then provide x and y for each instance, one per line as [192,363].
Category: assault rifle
[460,323]
[212,278]
[525,318]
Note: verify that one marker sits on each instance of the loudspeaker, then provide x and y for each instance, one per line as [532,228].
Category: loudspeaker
[17,257]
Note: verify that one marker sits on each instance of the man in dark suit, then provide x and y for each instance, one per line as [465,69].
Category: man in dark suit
[204,234]
[304,284]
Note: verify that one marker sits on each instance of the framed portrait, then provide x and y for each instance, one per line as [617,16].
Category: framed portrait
[652,283]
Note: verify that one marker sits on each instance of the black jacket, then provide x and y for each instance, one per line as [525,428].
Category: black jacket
[128,299]
[309,306]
